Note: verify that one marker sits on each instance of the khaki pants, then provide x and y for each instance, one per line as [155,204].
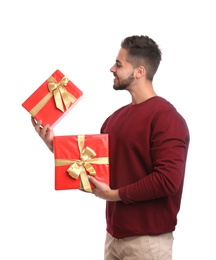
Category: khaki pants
[146,247]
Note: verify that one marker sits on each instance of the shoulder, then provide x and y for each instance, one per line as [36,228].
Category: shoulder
[166,116]
[160,104]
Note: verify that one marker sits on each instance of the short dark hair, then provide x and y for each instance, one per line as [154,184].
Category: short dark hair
[143,51]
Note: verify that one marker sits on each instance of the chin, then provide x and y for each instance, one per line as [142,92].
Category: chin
[118,88]
[115,87]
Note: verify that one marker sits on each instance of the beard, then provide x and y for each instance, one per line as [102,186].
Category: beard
[121,85]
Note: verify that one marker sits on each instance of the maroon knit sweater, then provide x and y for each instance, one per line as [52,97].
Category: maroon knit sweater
[148,150]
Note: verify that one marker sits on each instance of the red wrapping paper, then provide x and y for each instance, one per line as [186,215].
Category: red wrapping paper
[48,112]
[67,152]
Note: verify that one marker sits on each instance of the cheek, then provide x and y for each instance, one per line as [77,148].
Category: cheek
[122,75]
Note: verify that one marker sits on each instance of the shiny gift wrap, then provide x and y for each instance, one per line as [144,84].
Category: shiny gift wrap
[76,157]
[53,99]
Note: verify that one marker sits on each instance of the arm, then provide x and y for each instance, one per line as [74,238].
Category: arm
[46,133]
[168,150]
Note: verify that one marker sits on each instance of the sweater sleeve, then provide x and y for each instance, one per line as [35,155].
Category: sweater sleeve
[168,146]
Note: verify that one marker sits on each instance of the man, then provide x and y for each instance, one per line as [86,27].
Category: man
[149,142]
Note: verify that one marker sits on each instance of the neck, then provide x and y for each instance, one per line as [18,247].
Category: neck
[141,93]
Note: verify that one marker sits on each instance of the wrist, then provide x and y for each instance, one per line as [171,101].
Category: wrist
[114,195]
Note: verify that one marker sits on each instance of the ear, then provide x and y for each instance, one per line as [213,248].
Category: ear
[140,72]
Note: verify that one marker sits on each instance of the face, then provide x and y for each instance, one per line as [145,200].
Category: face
[122,71]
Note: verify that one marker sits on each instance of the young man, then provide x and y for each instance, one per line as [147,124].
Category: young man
[149,142]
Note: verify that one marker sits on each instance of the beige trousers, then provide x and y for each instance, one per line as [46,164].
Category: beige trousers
[158,247]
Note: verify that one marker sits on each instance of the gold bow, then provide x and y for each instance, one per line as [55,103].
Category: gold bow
[60,93]
[57,89]
[78,168]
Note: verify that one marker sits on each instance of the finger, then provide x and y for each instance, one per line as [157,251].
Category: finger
[36,123]
[33,121]
[38,126]
[92,180]
[45,131]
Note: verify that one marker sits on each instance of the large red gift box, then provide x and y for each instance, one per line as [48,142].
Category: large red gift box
[53,99]
[76,157]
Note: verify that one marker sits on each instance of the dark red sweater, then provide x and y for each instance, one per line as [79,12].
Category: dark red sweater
[148,151]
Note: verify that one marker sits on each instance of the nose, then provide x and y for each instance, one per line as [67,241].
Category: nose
[112,69]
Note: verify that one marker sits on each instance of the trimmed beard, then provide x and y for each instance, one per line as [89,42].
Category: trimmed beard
[125,83]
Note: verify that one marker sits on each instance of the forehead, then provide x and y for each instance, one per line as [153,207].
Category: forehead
[122,56]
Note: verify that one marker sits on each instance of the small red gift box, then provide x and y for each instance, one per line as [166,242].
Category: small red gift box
[53,99]
[76,157]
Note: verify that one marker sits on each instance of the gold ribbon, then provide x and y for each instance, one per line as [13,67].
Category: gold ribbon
[60,94]
[80,167]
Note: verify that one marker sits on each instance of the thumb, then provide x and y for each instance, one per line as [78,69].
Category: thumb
[92,180]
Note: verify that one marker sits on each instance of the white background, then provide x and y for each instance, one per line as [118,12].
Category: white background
[82,38]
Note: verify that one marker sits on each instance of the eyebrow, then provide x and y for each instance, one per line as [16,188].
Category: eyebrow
[118,61]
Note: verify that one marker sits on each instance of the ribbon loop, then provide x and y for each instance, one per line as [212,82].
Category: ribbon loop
[61,95]
[74,170]
[87,153]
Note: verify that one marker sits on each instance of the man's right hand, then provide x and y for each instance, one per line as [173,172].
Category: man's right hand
[46,133]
